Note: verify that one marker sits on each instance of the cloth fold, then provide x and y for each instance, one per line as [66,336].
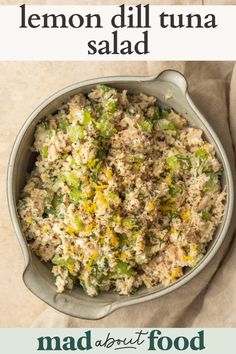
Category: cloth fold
[209,300]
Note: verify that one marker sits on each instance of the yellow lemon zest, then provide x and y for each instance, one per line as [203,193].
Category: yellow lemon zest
[108,174]
[117,219]
[101,199]
[193,247]
[185,215]
[176,273]
[29,220]
[71,230]
[168,179]
[88,228]
[94,256]
[151,205]
[92,163]
[70,267]
[172,230]
[187,258]
[114,241]
[70,118]
[166,208]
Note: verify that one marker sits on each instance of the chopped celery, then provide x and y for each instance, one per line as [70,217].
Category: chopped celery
[123,268]
[202,153]
[165,124]
[170,126]
[63,262]
[106,128]
[138,159]
[87,118]
[44,152]
[173,163]
[77,195]
[75,133]
[72,180]
[112,106]
[145,125]
[129,223]
[115,197]
[78,223]
[59,261]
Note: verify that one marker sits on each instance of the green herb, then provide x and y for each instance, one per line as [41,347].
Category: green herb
[161,241]
[206,216]
[173,190]
[93,235]
[94,176]
[164,113]
[100,152]
[185,159]
[63,124]
[172,215]
[159,113]
[44,124]
[112,106]
[156,115]
[50,133]
[142,196]
[212,182]
[105,88]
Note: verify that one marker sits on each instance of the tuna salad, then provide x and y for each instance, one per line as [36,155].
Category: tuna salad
[123,193]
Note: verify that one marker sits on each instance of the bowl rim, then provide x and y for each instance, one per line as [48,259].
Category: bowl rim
[166,75]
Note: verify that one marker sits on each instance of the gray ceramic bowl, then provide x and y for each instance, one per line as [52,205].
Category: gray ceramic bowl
[170,87]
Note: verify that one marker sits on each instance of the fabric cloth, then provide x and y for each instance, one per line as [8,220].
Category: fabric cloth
[209,300]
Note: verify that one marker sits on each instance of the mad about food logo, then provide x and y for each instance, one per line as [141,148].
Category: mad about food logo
[158,341]
[144,341]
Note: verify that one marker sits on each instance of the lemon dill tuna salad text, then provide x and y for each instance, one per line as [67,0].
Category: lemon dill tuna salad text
[123,193]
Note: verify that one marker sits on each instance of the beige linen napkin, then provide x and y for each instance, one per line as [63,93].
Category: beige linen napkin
[210,298]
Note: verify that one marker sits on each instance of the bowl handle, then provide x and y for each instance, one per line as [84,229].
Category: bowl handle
[174,77]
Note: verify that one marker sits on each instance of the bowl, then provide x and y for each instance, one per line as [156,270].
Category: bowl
[170,87]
